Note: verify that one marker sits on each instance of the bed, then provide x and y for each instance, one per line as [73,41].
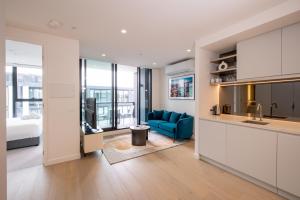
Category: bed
[23,132]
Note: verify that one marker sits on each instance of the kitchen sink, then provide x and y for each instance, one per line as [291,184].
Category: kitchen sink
[255,122]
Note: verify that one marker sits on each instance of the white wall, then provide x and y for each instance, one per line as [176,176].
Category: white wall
[180,106]
[206,95]
[2,107]
[61,93]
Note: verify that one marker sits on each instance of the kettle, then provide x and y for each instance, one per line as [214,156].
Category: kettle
[215,110]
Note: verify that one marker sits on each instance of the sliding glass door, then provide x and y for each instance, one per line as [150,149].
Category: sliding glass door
[126,100]
[145,92]
[116,90]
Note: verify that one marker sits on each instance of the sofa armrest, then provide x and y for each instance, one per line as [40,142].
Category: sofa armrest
[150,116]
[185,128]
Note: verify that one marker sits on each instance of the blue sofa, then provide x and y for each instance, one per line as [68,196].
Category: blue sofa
[175,125]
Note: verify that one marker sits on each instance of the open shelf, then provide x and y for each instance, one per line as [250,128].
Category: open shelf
[229,70]
[230,58]
[227,75]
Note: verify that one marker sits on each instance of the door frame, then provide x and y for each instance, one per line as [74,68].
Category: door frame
[44,86]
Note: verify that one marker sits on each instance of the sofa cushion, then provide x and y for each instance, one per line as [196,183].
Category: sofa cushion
[167,126]
[158,114]
[155,123]
[174,117]
[166,116]
[183,115]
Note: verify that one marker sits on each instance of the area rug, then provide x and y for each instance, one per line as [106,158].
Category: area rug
[119,148]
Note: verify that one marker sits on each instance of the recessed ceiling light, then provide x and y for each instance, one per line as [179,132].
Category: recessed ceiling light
[55,24]
[123,31]
[188,50]
[103,55]
[154,63]
[74,27]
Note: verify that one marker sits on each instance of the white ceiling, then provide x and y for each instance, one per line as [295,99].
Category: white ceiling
[157,30]
[23,53]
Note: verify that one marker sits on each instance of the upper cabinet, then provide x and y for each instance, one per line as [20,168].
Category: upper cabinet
[259,56]
[291,49]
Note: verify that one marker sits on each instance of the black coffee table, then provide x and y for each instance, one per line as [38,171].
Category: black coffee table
[139,135]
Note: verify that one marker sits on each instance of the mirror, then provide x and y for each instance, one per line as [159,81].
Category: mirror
[279,100]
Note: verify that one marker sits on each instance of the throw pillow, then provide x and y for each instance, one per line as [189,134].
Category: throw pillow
[157,114]
[174,117]
[31,116]
[183,115]
[166,116]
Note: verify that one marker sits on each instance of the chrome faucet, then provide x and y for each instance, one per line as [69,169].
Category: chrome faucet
[275,105]
[259,108]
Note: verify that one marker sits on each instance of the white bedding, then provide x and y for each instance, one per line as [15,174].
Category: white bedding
[20,129]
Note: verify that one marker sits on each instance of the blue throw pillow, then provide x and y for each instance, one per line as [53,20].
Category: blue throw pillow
[157,114]
[183,115]
[174,117]
[166,116]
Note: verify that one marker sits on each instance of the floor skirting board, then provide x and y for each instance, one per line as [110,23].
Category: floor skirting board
[287,195]
[250,179]
[62,159]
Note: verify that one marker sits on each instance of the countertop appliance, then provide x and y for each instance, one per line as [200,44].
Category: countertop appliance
[215,110]
[226,109]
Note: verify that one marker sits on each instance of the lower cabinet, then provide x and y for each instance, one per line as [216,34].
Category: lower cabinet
[268,156]
[253,152]
[212,140]
[288,163]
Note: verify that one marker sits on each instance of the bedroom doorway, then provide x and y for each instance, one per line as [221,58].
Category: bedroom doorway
[24,105]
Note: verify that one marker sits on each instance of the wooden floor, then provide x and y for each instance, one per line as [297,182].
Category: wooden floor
[168,174]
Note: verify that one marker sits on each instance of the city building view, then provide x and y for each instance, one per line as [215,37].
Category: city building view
[115,90]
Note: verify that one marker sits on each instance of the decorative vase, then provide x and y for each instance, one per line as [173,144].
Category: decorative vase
[222,66]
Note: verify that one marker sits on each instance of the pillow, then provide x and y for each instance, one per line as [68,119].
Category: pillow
[174,117]
[31,116]
[183,115]
[166,116]
[157,114]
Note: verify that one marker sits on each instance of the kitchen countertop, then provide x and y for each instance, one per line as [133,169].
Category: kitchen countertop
[274,125]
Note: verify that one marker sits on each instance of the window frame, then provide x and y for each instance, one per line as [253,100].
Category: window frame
[15,98]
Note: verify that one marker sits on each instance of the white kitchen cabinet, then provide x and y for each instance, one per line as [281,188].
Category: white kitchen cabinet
[259,56]
[291,49]
[288,163]
[212,140]
[253,152]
